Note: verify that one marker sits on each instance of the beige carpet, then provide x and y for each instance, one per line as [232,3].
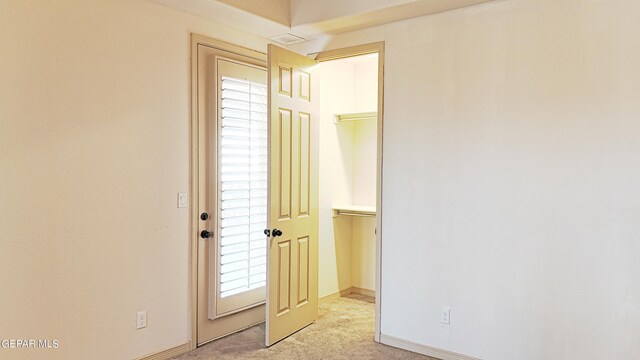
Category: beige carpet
[344,330]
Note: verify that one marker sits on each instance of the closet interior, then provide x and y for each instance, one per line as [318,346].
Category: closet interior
[348,177]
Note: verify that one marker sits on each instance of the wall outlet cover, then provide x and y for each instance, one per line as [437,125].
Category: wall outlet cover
[445,317]
[141,319]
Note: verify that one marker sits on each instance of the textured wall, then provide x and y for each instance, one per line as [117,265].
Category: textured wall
[94,147]
[511,171]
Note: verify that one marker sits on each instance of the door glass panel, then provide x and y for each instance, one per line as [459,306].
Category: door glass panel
[243,187]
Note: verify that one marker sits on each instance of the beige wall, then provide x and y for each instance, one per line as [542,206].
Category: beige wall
[94,147]
[310,11]
[511,152]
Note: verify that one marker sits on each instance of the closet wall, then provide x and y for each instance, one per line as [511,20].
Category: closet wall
[347,174]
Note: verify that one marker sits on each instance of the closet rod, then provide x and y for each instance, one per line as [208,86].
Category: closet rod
[349,213]
[356,116]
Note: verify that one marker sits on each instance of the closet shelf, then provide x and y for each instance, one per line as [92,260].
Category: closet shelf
[355,210]
[356,116]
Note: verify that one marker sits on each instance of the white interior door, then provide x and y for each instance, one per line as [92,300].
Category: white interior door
[292,281]
[232,188]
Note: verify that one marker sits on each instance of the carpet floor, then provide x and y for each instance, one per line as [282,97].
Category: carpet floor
[343,331]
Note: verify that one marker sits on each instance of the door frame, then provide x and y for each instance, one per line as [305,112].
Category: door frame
[194,161]
[194,225]
[342,53]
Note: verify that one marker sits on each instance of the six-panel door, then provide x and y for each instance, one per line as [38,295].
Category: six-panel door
[292,300]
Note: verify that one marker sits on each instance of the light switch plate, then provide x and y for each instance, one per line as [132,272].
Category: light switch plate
[182,200]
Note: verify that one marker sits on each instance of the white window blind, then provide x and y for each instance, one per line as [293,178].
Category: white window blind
[243,186]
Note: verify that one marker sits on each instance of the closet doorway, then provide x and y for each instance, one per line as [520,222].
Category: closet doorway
[350,179]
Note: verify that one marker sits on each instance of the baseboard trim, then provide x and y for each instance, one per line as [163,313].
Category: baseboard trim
[423,349]
[335,295]
[345,292]
[169,353]
[361,291]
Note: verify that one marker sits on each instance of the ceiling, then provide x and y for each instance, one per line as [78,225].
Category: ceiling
[311,19]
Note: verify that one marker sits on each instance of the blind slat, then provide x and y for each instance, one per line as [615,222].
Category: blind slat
[243,186]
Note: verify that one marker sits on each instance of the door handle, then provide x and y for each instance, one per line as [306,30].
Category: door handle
[205,234]
[275,232]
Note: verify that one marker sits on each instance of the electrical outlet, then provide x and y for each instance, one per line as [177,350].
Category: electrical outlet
[182,200]
[445,316]
[141,319]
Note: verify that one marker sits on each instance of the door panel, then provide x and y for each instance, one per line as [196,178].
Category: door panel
[292,283]
[304,152]
[284,276]
[284,162]
[303,270]
[215,318]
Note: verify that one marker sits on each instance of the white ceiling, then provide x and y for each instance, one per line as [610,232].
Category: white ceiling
[311,18]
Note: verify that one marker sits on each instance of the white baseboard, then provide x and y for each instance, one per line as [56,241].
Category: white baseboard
[362,291]
[345,292]
[423,349]
[169,353]
[335,295]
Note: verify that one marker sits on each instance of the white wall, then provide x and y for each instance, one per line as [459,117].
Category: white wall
[511,172]
[94,147]
[336,177]
[365,75]
[363,248]
[365,147]
[365,72]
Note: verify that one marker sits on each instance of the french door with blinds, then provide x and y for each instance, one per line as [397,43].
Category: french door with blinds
[238,270]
